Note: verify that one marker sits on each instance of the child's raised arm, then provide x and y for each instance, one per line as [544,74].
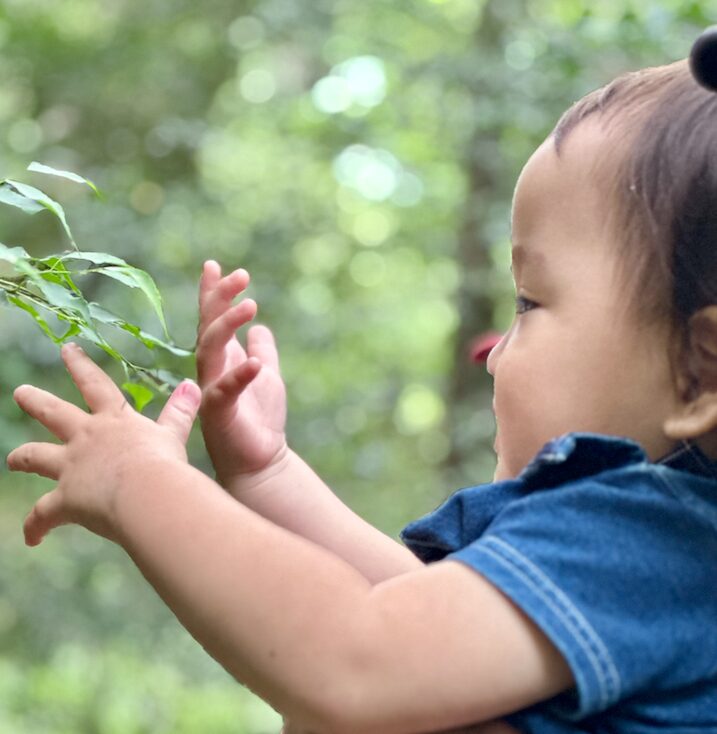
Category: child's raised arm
[427,650]
[243,416]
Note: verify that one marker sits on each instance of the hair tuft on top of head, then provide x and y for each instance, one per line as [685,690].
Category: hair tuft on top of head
[703,59]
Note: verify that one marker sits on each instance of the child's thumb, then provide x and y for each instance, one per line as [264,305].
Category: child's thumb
[181,409]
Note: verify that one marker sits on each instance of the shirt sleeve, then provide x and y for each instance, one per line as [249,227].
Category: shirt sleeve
[614,572]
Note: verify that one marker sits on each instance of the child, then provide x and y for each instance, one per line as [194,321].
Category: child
[574,594]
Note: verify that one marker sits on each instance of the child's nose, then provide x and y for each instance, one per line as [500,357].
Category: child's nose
[482,347]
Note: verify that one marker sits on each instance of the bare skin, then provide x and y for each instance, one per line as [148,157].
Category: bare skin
[242,454]
[493,727]
[338,662]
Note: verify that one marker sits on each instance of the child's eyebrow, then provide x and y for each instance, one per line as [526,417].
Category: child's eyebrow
[526,257]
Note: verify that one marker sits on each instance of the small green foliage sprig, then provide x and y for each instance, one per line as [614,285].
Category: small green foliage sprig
[47,285]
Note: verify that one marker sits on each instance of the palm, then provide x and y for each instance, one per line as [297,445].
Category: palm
[252,427]
[243,435]
[243,396]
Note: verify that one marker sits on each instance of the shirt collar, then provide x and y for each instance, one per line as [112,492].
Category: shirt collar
[689,457]
[576,455]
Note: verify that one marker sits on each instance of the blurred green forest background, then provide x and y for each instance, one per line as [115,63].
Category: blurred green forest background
[358,159]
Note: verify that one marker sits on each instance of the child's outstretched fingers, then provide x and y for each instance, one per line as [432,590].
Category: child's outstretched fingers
[95,386]
[216,293]
[262,345]
[211,274]
[45,459]
[232,383]
[90,465]
[181,409]
[211,344]
[47,514]
[60,417]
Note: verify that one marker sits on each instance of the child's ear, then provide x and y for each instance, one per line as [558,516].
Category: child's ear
[697,379]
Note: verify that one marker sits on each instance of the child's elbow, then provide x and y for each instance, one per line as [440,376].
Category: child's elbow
[342,703]
[358,687]
[334,710]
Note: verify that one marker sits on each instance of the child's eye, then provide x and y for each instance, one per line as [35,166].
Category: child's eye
[523,304]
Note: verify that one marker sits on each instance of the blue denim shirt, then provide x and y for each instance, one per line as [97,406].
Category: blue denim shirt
[615,559]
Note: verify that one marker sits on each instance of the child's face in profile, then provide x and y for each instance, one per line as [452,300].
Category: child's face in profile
[576,357]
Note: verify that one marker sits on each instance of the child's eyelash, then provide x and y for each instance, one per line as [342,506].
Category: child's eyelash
[523,304]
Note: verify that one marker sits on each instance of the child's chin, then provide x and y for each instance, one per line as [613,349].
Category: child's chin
[503,470]
[500,470]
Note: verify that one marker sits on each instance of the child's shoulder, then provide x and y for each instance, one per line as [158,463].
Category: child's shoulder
[579,483]
[608,553]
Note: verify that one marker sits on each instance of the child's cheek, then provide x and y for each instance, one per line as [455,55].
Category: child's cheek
[524,402]
[512,435]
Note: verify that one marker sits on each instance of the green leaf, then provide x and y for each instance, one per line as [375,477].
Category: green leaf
[149,340]
[101,314]
[42,168]
[96,258]
[61,297]
[73,330]
[13,254]
[141,395]
[136,278]
[13,198]
[144,281]
[56,271]
[30,192]
[36,316]
[26,267]
[117,269]
[91,334]
[162,379]
[119,273]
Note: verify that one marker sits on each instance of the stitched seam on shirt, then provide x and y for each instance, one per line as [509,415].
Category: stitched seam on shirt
[591,643]
[555,607]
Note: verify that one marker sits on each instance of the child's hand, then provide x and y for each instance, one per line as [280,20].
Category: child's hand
[99,449]
[243,410]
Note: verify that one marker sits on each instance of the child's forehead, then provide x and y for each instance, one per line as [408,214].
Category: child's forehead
[565,207]
[584,171]
[525,258]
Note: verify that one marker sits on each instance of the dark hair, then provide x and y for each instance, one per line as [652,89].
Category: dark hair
[664,188]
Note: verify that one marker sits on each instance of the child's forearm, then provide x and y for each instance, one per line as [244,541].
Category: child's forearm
[262,601]
[308,633]
[293,496]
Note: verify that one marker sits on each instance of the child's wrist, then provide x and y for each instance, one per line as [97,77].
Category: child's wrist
[140,487]
[243,483]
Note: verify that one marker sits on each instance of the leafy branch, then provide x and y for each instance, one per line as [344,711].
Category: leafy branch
[47,286]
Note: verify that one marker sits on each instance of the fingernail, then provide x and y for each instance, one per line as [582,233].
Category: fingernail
[185,388]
